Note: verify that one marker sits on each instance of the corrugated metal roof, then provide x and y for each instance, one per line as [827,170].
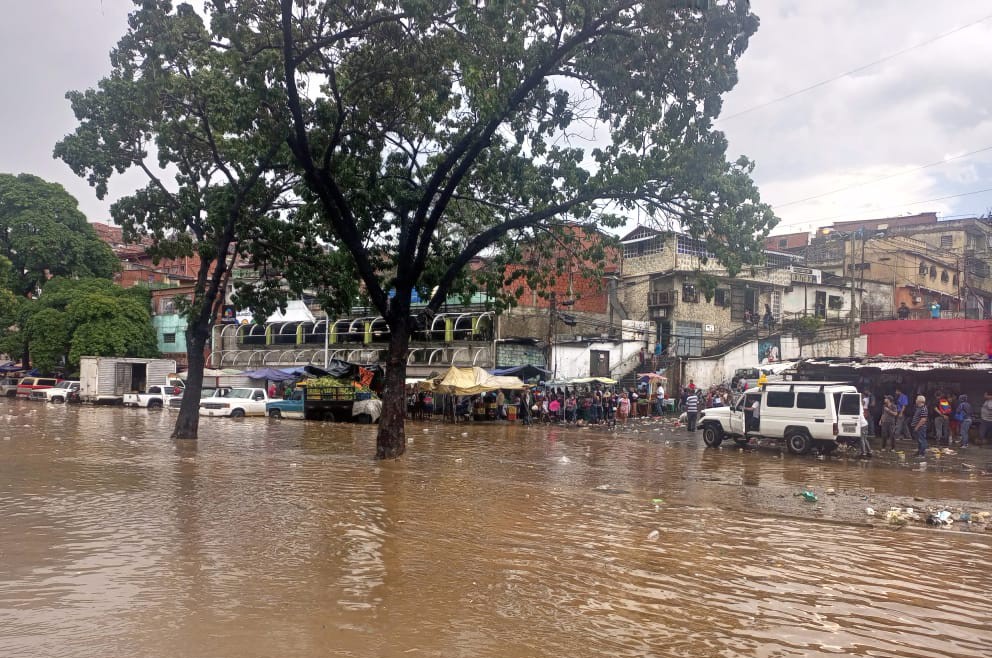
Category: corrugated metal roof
[908,364]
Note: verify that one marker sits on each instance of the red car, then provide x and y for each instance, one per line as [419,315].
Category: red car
[28,384]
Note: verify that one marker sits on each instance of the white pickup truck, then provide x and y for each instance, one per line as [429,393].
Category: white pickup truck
[155,397]
[206,393]
[58,393]
[239,402]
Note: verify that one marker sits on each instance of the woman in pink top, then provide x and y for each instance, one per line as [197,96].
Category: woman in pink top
[554,408]
[623,408]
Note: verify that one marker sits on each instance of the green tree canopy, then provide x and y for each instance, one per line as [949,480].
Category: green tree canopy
[43,234]
[419,134]
[85,317]
[446,128]
[192,107]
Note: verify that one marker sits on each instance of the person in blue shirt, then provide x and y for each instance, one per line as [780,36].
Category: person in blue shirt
[934,310]
[901,403]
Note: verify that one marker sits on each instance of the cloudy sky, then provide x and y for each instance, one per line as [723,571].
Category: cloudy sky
[908,119]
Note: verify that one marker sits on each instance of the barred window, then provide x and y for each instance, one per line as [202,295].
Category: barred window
[692,247]
[655,245]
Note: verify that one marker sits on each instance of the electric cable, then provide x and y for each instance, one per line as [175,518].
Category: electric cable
[936,163]
[852,71]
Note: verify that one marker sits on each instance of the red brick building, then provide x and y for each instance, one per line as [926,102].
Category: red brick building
[137,267]
[787,242]
[588,293]
[582,297]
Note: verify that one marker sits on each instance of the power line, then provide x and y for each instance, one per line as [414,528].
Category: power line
[852,71]
[900,205]
[936,163]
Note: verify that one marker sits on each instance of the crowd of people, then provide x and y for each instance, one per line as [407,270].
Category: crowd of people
[943,417]
[594,405]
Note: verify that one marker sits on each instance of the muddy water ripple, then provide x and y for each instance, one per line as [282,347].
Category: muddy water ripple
[281,538]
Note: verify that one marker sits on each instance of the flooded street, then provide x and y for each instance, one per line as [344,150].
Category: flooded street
[283,538]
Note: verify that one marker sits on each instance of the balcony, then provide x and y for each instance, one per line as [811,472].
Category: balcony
[663,298]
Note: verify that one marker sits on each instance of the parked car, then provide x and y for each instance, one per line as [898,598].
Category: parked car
[58,393]
[239,402]
[156,397]
[28,384]
[206,393]
[806,415]
[291,407]
[8,386]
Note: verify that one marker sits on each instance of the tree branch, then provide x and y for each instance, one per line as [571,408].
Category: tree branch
[333,202]
[465,153]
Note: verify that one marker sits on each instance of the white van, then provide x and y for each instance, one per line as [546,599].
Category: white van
[806,415]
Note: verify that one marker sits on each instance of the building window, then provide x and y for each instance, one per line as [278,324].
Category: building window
[687,338]
[923,269]
[169,339]
[933,271]
[835,302]
[946,241]
[692,247]
[689,293]
[944,276]
[721,297]
[167,306]
[783,243]
[655,245]
[955,281]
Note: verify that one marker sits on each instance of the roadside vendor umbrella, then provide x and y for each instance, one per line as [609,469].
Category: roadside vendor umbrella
[590,380]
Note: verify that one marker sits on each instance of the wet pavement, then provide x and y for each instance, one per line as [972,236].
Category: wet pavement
[284,538]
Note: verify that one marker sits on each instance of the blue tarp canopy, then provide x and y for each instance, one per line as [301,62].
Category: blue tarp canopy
[523,372]
[273,375]
[11,366]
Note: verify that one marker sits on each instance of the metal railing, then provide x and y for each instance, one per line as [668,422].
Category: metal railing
[663,298]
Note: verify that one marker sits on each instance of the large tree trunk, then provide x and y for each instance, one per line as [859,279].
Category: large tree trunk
[188,423]
[391,439]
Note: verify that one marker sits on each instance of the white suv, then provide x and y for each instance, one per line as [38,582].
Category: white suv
[806,415]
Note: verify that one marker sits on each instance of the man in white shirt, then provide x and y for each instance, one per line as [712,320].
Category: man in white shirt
[756,414]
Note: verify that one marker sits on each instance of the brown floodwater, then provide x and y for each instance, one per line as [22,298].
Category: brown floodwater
[284,538]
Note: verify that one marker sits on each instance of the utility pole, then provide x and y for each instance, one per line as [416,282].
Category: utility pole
[962,294]
[861,284]
[552,320]
[851,312]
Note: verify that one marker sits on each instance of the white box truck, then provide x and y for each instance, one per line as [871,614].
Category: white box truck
[105,379]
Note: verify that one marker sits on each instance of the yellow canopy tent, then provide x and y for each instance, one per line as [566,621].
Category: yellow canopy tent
[470,381]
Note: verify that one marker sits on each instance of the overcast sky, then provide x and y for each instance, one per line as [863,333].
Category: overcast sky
[929,105]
